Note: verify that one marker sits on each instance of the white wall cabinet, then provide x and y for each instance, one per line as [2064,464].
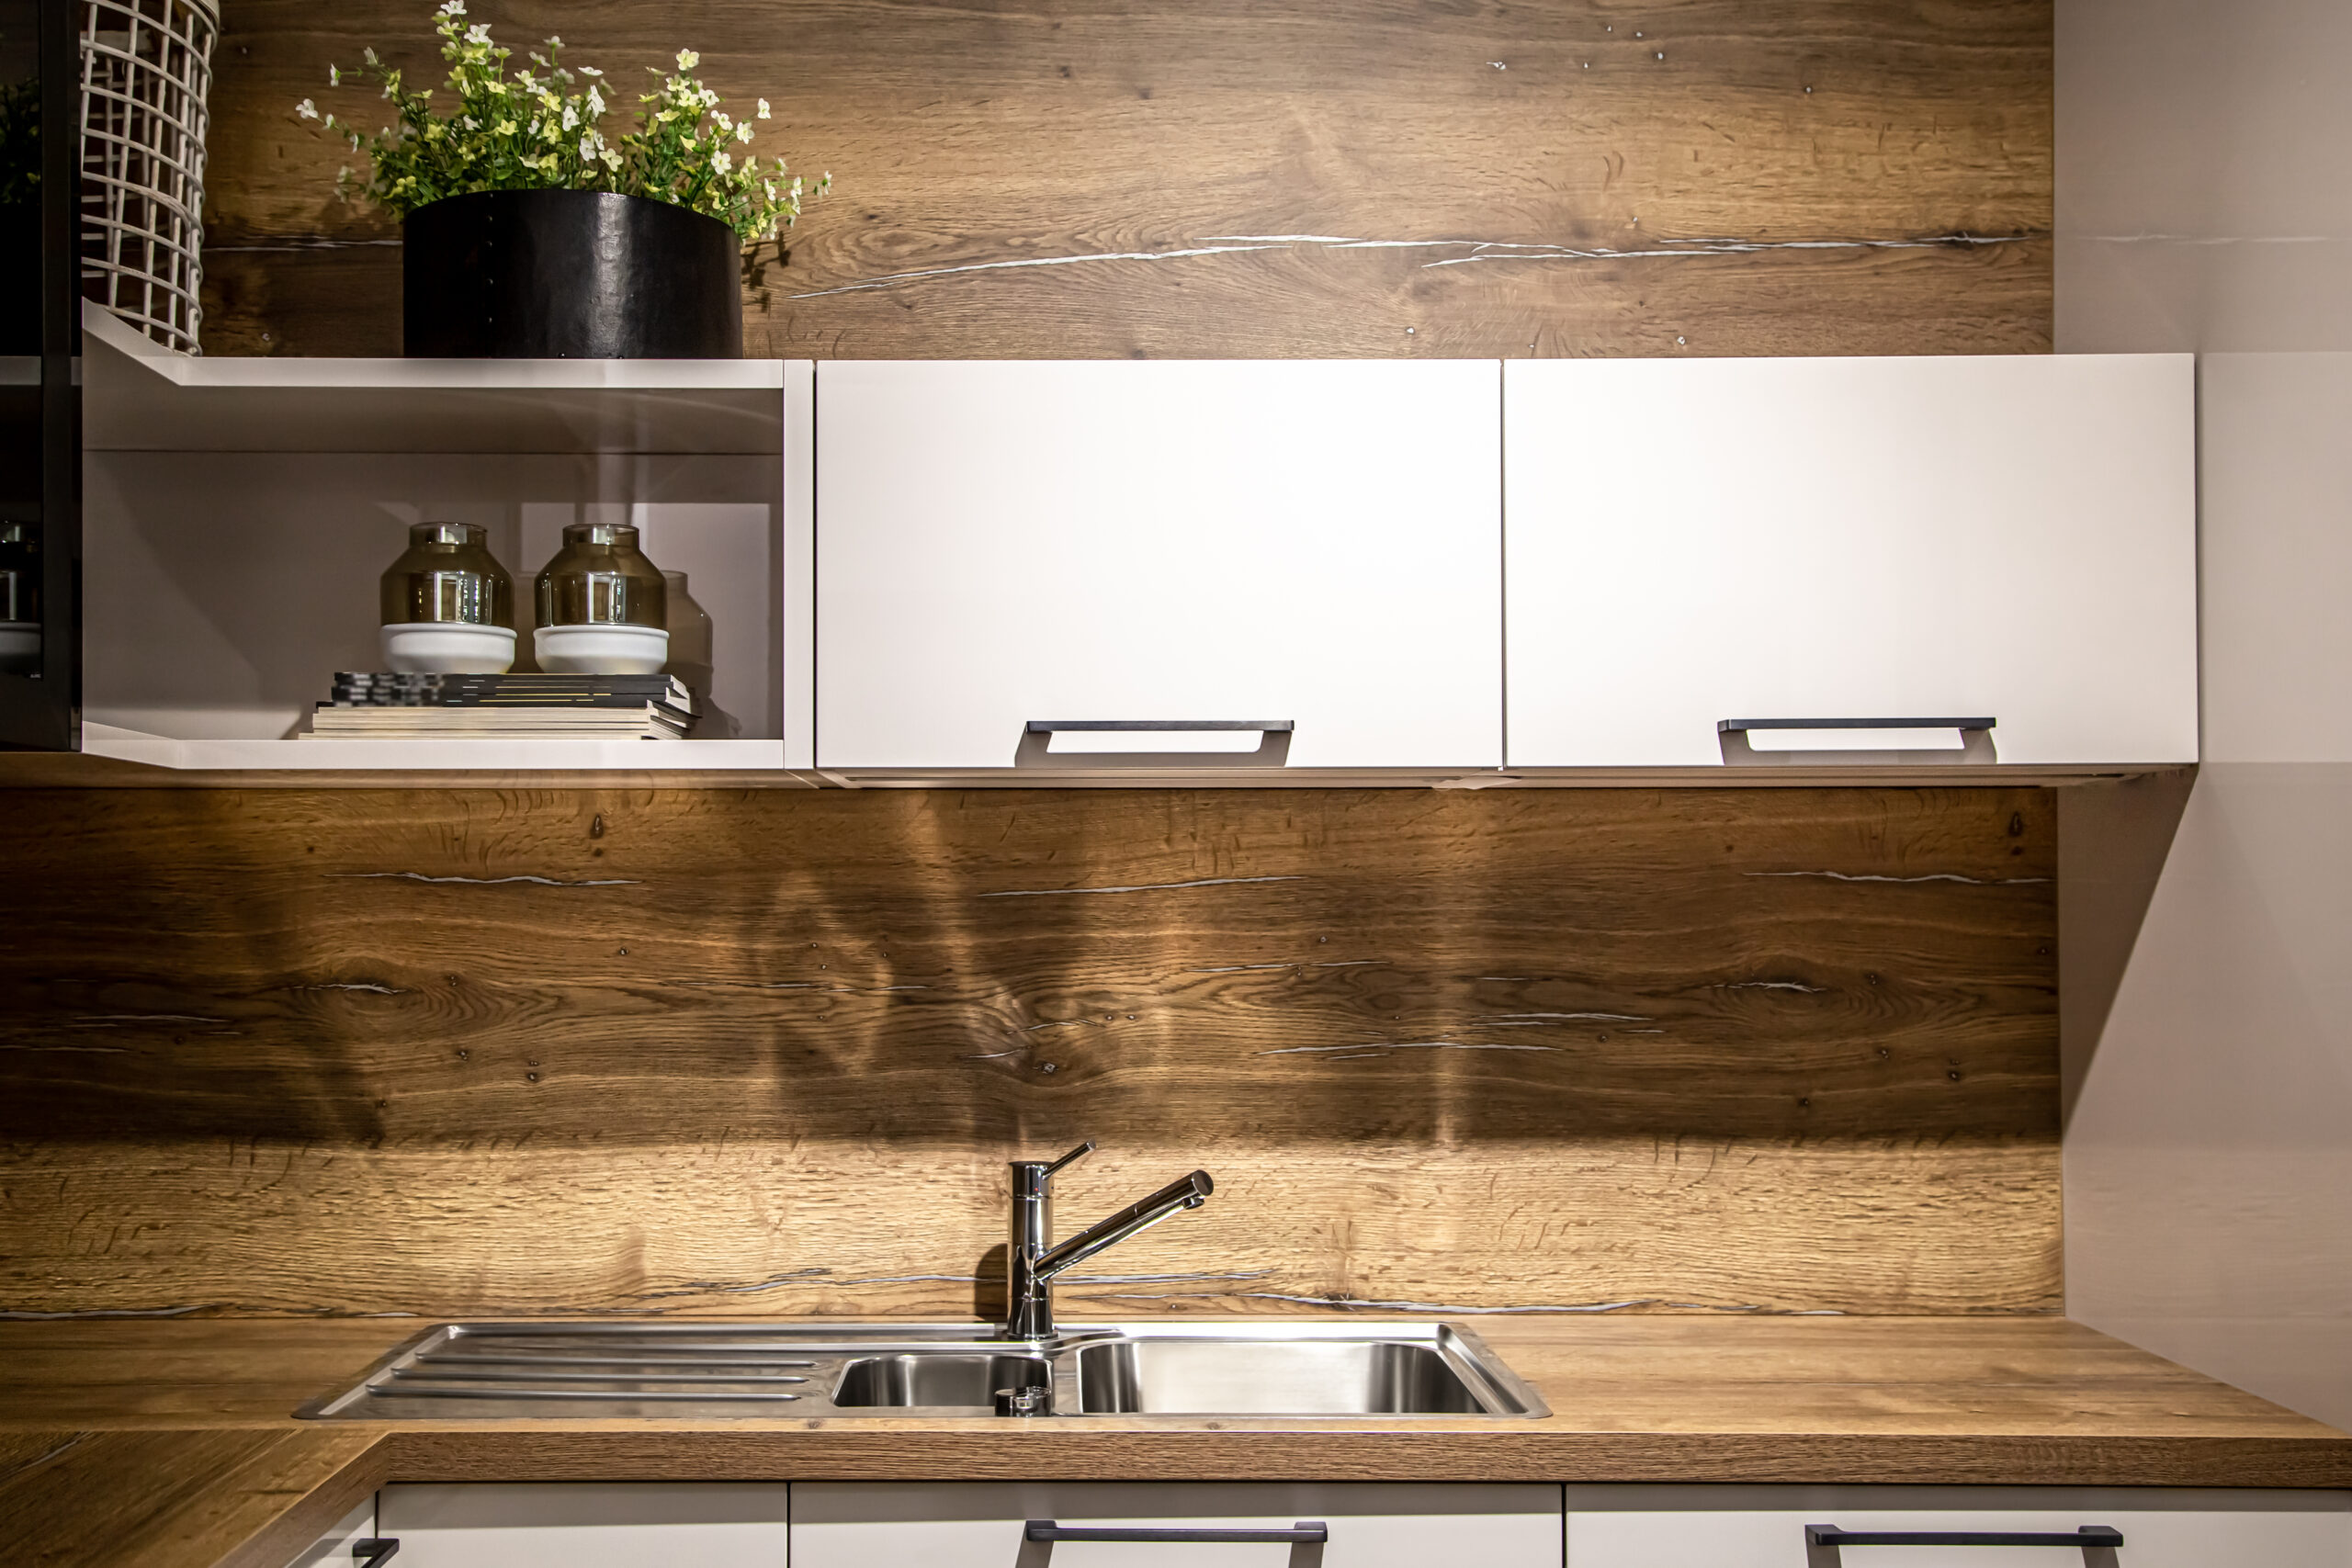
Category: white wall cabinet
[860,1524]
[1695,541]
[588,1525]
[1763,1526]
[1316,542]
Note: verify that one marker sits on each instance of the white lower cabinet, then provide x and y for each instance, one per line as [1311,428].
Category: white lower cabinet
[335,1547]
[1764,1527]
[869,1525]
[1361,1525]
[588,1525]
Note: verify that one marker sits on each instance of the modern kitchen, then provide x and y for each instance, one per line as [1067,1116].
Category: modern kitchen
[1132,786]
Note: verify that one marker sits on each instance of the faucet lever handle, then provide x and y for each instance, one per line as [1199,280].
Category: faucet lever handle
[1085,1148]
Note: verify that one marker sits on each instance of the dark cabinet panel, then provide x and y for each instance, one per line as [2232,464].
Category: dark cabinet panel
[41,437]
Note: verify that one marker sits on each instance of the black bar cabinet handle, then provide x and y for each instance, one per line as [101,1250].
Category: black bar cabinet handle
[1822,1541]
[1733,726]
[1056,726]
[375,1551]
[1312,1532]
[2089,1535]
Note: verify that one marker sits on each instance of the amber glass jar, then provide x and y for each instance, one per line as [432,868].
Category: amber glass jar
[447,574]
[601,579]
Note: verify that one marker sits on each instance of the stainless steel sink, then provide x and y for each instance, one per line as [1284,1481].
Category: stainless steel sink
[1160,1376]
[936,1379]
[1194,1367]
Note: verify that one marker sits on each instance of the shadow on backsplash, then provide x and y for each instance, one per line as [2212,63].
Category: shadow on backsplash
[987,968]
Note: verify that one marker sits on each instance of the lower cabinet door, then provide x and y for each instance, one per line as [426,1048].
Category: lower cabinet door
[335,1547]
[1764,1527]
[587,1525]
[931,1525]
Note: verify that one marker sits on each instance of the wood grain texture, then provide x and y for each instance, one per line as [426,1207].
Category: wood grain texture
[177,1499]
[711,1052]
[1826,1377]
[1110,177]
[130,1442]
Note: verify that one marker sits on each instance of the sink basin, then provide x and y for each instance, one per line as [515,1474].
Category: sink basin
[674,1370]
[1262,1377]
[936,1377]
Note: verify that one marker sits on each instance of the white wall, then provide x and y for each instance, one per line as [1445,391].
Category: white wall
[2205,202]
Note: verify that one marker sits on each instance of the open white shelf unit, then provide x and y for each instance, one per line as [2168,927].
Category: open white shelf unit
[432,756]
[238,512]
[141,397]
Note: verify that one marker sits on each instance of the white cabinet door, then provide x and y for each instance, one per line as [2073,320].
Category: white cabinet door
[1317,542]
[587,1525]
[1695,541]
[333,1549]
[1763,1526]
[859,1524]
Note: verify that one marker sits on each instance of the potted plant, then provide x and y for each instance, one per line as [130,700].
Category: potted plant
[527,232]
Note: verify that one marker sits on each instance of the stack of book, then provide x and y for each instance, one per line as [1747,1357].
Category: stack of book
[504,707]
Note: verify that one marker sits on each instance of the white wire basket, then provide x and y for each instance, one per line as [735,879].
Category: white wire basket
[146,73]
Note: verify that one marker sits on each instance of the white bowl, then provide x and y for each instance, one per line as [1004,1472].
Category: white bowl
[601,650]
[447,648]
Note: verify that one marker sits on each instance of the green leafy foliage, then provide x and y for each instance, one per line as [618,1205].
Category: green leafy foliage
[545,130]
[20,142]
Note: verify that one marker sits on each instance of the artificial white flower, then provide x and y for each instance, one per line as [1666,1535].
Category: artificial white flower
[334,76]
[307,110]
[763,109]
[595,101]
[688,59]
[724,162]
[571,117]
[477,33]
[453,8]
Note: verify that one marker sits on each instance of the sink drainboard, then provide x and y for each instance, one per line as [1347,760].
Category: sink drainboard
[669,1371]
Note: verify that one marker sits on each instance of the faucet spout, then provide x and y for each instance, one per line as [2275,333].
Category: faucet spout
[1189,1192]
[1033,1260]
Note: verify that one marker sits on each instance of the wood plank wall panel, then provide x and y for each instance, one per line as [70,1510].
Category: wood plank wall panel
[708,1051]
[1367,177]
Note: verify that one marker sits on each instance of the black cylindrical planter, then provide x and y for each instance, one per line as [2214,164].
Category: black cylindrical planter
[569,274]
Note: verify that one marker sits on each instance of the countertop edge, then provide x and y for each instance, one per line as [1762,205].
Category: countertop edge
[1874,1459]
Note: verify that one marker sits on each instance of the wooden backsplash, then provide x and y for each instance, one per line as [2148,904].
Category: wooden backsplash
[711,1052]
[1224,178]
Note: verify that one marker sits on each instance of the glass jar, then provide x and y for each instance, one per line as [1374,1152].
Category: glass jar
[448,605]
[601,579]
[20,598]
[447,574]
[20,572]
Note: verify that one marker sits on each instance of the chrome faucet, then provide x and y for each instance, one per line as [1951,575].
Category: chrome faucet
[1033,1260]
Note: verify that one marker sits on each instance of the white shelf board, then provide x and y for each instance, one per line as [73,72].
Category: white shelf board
[140,397]
[432,756]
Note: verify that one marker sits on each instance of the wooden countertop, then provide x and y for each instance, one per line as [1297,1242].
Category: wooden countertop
[168,1443]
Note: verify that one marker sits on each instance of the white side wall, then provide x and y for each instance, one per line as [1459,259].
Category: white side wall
[2205,203]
